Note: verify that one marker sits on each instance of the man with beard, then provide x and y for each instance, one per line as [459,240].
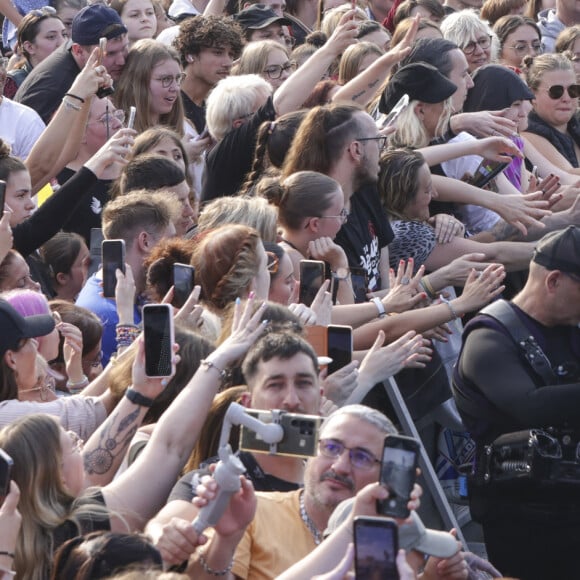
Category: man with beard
[343,142]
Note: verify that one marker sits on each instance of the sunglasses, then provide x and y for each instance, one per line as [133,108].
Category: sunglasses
[557,91]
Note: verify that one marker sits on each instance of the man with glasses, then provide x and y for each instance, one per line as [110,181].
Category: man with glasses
[531,527]
[47,83]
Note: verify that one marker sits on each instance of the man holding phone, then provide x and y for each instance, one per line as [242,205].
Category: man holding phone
[46,85]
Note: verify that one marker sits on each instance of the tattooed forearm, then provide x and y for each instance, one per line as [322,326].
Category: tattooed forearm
[502,231]
[114,440]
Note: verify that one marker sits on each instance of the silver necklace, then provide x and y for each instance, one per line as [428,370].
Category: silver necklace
[308,522]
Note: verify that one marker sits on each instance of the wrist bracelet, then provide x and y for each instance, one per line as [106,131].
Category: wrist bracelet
[72,384]
[5,553]
[74,97]
[450,306]
[208,570]
[209,365]
[126,334]
[428,287]
[380,306]
[137,398]
[70,105]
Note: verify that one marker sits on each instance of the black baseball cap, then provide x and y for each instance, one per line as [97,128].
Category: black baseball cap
[15,327]
[560,250]
[94,22]
[421,81]
[258,16]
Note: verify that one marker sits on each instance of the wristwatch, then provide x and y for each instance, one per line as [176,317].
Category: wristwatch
[341,274]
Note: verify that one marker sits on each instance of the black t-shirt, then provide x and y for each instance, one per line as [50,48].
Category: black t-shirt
[194,113]
[88,213]
[47,83]
[231,159]
[365,233]
[262,481]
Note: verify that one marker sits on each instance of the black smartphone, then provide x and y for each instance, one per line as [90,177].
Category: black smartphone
[486,171]
[376,543]
[2,197]
[300,434]
[158,332]
[311,279]
[398,474]
[388,119]
[360,284]
[6,464]
[339,346]
[113,259]
[183,283]
[95,240]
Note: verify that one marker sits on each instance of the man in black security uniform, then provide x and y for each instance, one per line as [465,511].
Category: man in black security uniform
[518,374]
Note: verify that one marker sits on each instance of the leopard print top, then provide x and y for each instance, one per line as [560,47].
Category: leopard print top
[413,239]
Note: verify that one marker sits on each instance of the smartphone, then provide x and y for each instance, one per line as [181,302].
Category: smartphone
[131,121]
[486,171]
[360,284]
[95,240]
[2,197]
[103,91]
[398,474]
[376,543]
[339,348]
[183,283]
[388,119]
[113,259]
[159,339]
[300,434]
[6,464]
[311,279]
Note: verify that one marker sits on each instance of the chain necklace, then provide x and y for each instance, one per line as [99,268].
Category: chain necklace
[308,522]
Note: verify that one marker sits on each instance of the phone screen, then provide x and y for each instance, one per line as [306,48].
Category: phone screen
[6,464]
[486,171]
[359,280]
[2,197]
[339,347]
[183,282]
[398,474]
[113,258]
[158,331]
[311,279]
[376,547]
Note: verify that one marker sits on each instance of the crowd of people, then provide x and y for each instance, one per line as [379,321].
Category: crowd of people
[237,140]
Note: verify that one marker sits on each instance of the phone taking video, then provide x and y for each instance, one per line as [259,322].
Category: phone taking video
[488,170]
[183,283]
[103,91]
[158,332]
[113,259]
[339,346]
[385,120]
[6,464]
[311,279]
[376,543]
[398,474]
[300,434]
[131,121]
[360,284]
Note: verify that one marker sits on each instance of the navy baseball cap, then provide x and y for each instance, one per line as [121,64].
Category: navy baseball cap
[258,16]
[94,22]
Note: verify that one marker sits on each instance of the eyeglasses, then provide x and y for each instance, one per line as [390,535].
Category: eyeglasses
[273,262]
[359,458]
[168,80]
[95,363]
[275,71]
[523,47]
[556,92]
[44,11]
[342,216]
[77,442]
[484,43]
[381,139]
[106,119]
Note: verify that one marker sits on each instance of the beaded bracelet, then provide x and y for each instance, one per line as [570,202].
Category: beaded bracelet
[126,334]
[208,570]
[450,306]
[77,387]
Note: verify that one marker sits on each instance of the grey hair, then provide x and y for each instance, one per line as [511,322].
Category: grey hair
[364,413]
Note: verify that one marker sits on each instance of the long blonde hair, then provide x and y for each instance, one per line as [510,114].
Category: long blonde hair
[33,442]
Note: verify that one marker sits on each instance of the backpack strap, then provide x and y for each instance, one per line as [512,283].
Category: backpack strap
[501,311]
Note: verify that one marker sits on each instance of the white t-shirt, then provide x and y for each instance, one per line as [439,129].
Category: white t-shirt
[20,127]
